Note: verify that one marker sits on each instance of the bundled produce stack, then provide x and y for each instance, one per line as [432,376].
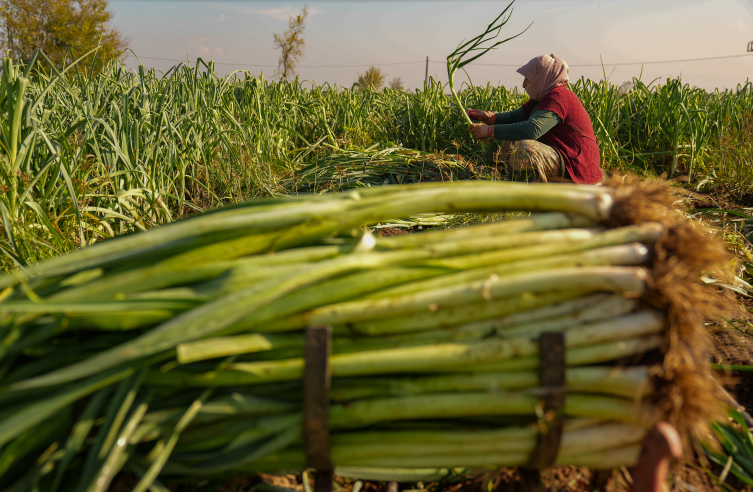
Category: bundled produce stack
[178,352]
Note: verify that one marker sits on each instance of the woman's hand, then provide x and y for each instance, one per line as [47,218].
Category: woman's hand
[483,116]
[481,131]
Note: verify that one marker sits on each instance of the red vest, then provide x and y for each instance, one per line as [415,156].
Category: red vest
[574,137]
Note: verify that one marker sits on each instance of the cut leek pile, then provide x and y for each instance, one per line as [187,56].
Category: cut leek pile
[176,353]
[374,166]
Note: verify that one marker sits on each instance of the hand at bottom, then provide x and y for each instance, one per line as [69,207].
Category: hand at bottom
[480,131]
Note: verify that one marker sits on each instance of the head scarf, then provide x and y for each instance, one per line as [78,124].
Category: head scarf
[544,72]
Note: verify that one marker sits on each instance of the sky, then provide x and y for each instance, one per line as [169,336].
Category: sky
[344,37]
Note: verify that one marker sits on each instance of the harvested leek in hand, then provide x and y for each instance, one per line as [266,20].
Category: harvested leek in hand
[178,352]
[459,58]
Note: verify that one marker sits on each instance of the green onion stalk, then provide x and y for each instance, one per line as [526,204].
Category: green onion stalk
[178,351]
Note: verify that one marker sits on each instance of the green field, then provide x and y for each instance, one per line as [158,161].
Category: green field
[85,158]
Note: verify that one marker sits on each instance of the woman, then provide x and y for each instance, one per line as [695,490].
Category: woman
[551,133]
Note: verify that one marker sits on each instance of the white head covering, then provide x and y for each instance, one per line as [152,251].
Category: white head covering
[544,72]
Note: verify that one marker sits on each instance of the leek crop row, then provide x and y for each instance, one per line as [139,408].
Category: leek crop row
[152,147]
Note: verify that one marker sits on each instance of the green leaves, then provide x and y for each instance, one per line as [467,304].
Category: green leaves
[737,444]
[63,28]
[34,413]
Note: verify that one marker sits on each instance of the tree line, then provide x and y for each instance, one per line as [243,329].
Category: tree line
[62,29]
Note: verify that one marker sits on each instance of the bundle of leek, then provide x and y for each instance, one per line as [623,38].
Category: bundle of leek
[177,352]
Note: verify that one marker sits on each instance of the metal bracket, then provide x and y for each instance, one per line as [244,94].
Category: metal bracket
[316,383]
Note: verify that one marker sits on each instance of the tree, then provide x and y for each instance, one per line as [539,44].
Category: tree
[396,84]
[63,29]
[291,45]
[372,78]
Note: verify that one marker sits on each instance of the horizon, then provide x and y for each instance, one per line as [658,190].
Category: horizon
[345,37]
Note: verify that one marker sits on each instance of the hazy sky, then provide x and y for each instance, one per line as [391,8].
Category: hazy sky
[397,36]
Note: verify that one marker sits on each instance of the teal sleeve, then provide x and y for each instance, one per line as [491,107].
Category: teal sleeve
[533,128]
[510,117]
